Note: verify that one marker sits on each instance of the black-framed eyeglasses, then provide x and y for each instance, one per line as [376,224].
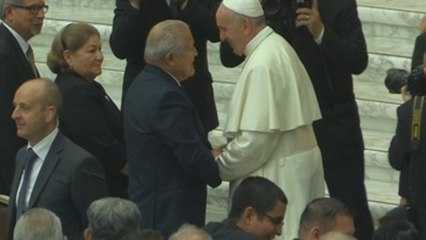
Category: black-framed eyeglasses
[33,9]
[278,222]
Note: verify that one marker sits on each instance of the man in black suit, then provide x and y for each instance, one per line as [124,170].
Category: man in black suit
[257,212]
[407,148]
[51,171]
[132,22]
[170,162]
[22,19]
[329,41]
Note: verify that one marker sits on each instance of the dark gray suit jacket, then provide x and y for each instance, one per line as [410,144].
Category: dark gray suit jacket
[14,70]
[70,179]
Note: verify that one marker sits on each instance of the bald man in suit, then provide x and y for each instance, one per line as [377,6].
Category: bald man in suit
[51,171]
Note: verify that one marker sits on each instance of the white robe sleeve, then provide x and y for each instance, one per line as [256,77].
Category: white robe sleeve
[246,153]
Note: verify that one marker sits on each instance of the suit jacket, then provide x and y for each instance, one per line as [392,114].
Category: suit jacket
[170,161]
[14,70]
[70,179]
[227,230]
[91,119]
[131,27]
[419,51]
[403,155]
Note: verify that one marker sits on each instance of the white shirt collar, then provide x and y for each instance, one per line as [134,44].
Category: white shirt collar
[42,147]
[21,41]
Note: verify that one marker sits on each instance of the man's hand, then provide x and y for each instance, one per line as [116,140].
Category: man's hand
[218,150]
[310,18]
[135,3]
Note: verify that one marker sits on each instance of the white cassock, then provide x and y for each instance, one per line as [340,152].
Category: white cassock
[270,124]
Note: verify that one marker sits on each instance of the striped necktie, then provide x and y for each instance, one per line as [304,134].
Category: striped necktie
[30,56]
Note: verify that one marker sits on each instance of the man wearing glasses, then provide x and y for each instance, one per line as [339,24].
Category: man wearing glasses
[20,21]
[257,212]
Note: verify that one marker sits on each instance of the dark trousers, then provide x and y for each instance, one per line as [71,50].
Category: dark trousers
[340,140]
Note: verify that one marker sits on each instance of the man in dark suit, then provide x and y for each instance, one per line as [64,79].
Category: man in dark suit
[170,162]
[134,18]
[51,172]
[22,19]
[257,212]
[408,147]
[329,41]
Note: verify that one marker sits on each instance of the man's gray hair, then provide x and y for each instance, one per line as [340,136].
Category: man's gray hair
[4,3]
[38,224]
[190,232]
[112,218]
[164,38]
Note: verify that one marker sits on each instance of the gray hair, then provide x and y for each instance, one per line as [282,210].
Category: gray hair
[4,4]
[164,38]
[38,224]
[112,218]
[190,232]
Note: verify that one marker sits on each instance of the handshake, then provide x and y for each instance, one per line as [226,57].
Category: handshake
[218,150]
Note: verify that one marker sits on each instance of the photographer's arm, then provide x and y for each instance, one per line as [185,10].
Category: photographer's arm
[343,44]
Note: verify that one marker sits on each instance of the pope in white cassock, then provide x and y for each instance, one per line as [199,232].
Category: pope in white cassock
[271,112]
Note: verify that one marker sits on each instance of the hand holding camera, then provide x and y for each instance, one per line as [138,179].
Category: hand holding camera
[307,14]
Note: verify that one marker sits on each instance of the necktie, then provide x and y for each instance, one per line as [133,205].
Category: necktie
[29,162]
[30,56]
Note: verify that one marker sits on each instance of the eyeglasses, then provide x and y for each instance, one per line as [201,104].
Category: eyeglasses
[277,222]
[33,9]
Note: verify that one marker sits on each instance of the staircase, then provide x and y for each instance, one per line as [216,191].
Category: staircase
[390,27]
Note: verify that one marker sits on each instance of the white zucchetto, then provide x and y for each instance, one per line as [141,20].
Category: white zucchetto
[249,8]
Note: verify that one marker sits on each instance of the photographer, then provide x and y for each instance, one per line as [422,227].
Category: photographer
[327,36]
[408,147]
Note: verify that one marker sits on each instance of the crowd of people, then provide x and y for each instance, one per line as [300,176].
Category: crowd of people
[77,167]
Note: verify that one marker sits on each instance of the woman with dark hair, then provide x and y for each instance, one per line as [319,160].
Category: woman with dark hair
[89,117]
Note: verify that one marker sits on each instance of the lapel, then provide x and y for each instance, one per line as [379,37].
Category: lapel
[172,82]
[16,49]
[49,165]
[20,160]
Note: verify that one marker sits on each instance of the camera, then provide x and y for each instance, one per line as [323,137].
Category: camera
[415,80]
[303,3]
[395,79]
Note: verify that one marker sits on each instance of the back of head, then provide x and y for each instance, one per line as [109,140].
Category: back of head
[164,38]
[72,37]
[190,232]
[396,230]
[258,193]
[322,213]
[146,234]
[38,224]
[112,218]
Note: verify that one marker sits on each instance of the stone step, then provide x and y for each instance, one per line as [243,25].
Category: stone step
[399,5]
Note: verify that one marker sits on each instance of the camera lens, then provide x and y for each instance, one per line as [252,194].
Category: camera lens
[271,7]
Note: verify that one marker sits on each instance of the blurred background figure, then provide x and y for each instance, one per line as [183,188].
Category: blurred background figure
[111,219]
[190,232]
[38,224]
[146,234]
[407,149]
[89,117]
